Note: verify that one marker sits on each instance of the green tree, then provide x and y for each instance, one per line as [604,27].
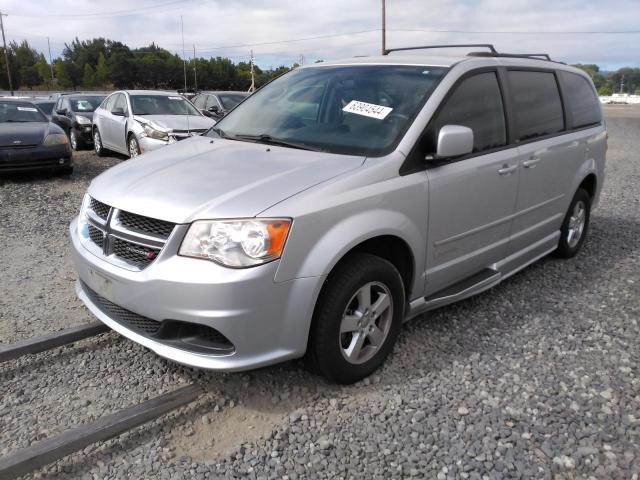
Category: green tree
[101,76]
[88,76]
[604,91]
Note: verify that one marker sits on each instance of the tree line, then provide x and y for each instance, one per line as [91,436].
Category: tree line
[623,80]
[107,64]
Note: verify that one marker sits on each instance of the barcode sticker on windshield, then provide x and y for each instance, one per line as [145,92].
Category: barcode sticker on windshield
[27,109]
[175,98]
[367,109]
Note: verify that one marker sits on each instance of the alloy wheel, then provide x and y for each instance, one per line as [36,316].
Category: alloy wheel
[577,223]
[366,322]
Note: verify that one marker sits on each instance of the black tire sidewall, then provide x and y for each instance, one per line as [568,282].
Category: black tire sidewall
[324,350]
[74,133]
[95,144]
[564,250]
[129,138]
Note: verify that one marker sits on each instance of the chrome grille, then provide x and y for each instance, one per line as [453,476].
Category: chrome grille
[134,253]
[127,238]
[99,208]
[146,225]
[96,235]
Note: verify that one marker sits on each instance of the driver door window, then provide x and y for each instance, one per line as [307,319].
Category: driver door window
[476,103]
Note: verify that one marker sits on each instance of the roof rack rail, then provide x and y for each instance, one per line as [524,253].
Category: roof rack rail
[466,45]
[544,56]
[491,53]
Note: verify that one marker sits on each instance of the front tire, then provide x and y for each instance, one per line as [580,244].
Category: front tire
[357,319]
[97,143]
[133,146]
[75,140]
[574,228]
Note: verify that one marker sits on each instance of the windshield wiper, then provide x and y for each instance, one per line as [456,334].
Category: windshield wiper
[220,132]
[269,140]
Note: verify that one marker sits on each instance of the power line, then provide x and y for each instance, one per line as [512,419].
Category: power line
[520,32]
[115,13]
[206,49]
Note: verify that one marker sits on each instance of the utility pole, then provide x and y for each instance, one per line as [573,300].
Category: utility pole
[50,62]
[621,83]
[195,69]
[184,61]
[252,88]
[6,54]
[384,29]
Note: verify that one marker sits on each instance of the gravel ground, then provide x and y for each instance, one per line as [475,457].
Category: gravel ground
[536,378]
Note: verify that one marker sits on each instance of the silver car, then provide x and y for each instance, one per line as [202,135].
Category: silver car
[136,121]
[338,201]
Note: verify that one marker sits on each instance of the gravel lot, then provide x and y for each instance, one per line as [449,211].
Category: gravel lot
[537,378]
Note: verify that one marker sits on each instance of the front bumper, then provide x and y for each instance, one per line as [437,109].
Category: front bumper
[34,158]
[85,132]
[267,322]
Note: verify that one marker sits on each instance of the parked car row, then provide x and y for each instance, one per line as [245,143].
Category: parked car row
[129,122]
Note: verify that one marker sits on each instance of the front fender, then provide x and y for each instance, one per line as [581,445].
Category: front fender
[326,247]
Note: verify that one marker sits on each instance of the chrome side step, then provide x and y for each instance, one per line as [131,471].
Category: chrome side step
[479,282]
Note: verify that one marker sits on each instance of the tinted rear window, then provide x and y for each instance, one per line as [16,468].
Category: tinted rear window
[581,100]
[537,104]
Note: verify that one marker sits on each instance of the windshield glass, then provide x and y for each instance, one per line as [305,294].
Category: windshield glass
[360,110]
[20,112]
[230,100]
[46,107]
[162,105]
[85,104]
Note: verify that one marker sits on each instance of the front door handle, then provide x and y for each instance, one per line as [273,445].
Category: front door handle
[531,163]
[507,169]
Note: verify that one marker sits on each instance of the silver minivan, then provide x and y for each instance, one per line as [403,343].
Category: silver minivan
[132,122]
[338,201]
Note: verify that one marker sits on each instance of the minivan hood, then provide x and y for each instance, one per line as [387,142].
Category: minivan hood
[178,122]
[205,178]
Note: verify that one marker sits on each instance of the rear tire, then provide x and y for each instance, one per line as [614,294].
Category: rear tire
[98,148]
[353,331]
[574,228]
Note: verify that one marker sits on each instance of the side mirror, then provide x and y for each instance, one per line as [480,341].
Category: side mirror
[61,111]
[214,109]
[118,112]
[453,141]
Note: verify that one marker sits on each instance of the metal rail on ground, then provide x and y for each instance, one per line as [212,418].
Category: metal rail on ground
[48,451]
[49,341]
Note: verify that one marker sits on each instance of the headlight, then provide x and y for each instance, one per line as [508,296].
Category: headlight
[237,243]
[56,139]
[83,120]
[82,216]
[155,133]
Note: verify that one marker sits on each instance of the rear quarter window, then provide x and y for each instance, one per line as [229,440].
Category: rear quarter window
[537,104]
[582,102]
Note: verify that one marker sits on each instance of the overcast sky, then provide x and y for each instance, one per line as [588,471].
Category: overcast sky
[280,31]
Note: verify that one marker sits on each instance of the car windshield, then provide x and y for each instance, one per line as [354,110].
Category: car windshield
[358,109]
[46,107]
[162,105]
[230,100]
[86,104]
[20,112]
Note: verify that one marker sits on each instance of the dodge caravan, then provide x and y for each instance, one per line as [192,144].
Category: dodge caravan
[338,201]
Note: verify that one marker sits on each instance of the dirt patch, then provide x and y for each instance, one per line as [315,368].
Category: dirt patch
[220,433]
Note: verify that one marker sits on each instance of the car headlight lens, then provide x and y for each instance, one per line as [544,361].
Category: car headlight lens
[82,216]
[155,133]
[237,243]
[83,120]
[56,139]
